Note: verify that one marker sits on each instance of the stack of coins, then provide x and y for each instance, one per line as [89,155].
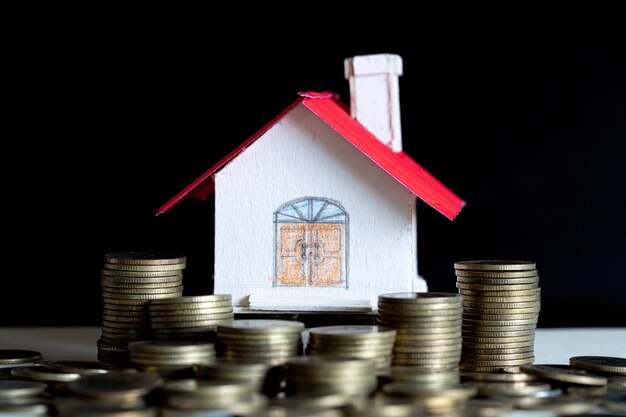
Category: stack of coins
[128,281]
[23,397]
[501,303]
[263,377]
[353,342]
[201,397]
[260,340]
[315,376]
[425,380]
[168,357]
[189,317]
[110,393]
[428,326]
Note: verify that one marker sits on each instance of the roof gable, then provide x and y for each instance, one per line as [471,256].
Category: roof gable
[328,108]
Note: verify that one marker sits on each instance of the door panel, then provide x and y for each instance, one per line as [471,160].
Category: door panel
[292,259]
[327,255]
[311,255]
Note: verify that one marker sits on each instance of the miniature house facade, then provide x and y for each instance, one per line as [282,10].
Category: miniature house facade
[316,211]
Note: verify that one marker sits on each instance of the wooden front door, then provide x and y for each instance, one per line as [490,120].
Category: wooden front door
[311,244]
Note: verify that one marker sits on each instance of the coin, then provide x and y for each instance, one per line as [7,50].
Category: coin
[419,297]
[261,326]
[15,356]
[495,265]
[42,373]
[604,364]
[144,258]
[117,385]
[503,275]
[561,374]
[74,366]
[16,388]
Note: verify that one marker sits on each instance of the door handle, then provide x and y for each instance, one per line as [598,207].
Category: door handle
[316,252]
[303,251]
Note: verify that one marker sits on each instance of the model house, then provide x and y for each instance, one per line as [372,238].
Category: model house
[317,210]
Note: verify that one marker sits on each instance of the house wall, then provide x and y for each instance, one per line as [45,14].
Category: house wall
[302,156]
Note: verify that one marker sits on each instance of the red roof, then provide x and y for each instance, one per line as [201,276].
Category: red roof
[332,111]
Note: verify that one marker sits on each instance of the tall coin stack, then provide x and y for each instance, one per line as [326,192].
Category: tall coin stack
[191,317]
[260,340]
[501,304]
[428,326]
[353,342]
[128,281]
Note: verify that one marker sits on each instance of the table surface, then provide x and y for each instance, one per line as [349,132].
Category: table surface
[552,345]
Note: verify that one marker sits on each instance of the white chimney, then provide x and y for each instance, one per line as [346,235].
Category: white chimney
[375,95]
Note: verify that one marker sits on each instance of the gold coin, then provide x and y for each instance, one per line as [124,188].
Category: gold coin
[495,265]
[501,306]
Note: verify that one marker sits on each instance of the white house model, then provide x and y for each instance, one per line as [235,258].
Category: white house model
[316,211]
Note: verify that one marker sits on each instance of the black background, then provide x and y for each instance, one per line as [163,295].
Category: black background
[110,109]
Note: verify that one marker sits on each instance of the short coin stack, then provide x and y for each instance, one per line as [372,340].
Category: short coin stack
[260,340]
[257,374]
[353,342]
[428,326]
[192,317]
[315,376]
[167,357]
[128,281]
[501,303]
